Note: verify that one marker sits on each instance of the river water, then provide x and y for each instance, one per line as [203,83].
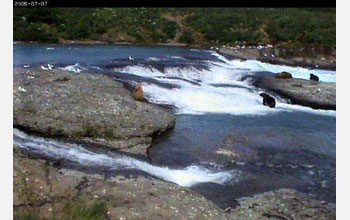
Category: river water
[289,146]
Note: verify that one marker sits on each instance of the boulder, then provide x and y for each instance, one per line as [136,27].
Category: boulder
[85,107]
[321,95]
[41,191]
[283,204]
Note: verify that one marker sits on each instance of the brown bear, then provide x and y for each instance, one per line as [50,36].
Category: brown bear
[268,100]
[314,77]
[138,93]
[284,75]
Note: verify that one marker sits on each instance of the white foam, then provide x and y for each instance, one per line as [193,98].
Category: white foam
[202,97]
[188,176]
[96,67]
[140,71]
[177,57]
[288,107]
[154,58]
[72,68]
[215,74]
[208,99]
[49,67]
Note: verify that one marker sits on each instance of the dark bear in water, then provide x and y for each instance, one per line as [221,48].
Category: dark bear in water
[284,75]
[268,100]
[314,77]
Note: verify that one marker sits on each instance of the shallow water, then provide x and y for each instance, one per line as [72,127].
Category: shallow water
[291,150]
[289,146]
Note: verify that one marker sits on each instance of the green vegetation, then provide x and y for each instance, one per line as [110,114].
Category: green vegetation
[135,25]
[81,209]
[25,216]
[95,131]
[195,26]
[187,37]
[294,26]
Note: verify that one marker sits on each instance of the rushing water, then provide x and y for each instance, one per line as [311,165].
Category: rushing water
[293,146]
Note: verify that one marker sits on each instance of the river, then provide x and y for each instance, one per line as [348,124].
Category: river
[289,146]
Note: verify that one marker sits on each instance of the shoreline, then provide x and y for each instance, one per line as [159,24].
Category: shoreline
[267,54]
[277,56]
[49,191]
[90,42]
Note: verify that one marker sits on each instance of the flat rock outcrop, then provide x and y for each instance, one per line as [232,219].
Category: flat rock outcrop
[317,95]
[45,192]
[85,107]
[283,204]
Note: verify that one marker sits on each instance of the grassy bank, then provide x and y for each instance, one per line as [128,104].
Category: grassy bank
[288,27]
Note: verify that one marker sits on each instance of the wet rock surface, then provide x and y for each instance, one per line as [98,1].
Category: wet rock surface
[47,191]
[85,107]
[285,204]
[318,95]
[44,192]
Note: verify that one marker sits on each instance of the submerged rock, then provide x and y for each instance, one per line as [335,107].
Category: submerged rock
[317,95]
[85,107]
[236,150]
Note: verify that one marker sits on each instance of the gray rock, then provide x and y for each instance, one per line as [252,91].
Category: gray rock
[48,192]
[87,107]
[283,204]
[318,95]
[280,56]
[54,194]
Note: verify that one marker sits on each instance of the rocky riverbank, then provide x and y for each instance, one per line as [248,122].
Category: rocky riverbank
[264,54]
[314,94]
[281,56]
[45,192]
[85,107]
[95,108]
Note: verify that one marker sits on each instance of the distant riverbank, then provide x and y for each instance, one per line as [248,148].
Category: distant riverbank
[266,54]
[280,56]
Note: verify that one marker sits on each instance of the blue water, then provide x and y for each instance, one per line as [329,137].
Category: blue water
[286,147]
[286,150]
[97,54]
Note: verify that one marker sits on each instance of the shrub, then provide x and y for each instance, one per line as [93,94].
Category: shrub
[187,37]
